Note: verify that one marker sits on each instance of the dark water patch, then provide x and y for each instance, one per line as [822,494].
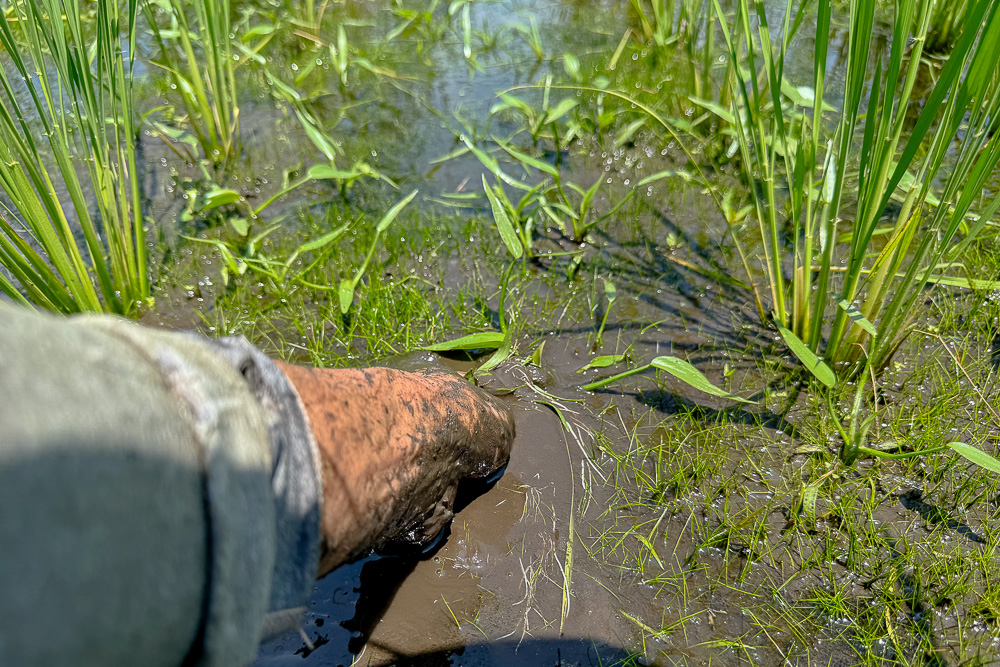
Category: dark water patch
[912,500]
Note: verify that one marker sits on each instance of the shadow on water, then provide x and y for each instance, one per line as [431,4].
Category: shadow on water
[530,653]
[349,604]
[933,514]
[382,575]
[374,583]
[669,403]
[377,585]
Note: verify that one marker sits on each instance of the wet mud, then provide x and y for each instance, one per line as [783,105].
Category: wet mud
[491,592]
[504,586]
[543,566]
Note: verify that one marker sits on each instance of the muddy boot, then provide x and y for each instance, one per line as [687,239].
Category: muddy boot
[393,447]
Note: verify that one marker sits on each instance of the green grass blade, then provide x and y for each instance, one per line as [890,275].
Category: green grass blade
[478,341]
[680,369]
[688,374]
[391,214]
[503,223]
[500,355]
[324,240]
[977,456]
[603,361]
[540,165]
[813,363]
[856,317]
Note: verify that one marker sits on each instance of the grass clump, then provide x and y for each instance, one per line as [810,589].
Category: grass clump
[894,249]
[887,562]
[202,68]
[66,123]
[286,295]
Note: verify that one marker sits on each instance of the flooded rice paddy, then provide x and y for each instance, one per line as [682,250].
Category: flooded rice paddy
[642,523]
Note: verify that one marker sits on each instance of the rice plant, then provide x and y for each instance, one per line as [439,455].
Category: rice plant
[656,20]
[689,24]
[201,65]
[867,256]
[66,124]
[947,19]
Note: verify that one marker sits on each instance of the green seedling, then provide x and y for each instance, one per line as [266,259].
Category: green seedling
[536,355]
[199,59]
[571,64]
[529,33]
[690,26]
[538,119]
[507,346]
[237,259]
[550,199]
[348,285]
[204,202]
[610,293]
[463,8]
[657,21]
[516,240]
[680,369]
[502,341]
[326,172]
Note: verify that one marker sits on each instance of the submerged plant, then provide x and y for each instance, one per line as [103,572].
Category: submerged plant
[201,65]
[611,294]
[239,256]
[348,285]
[551,200]
[529,33]
[66,122]
[689,26]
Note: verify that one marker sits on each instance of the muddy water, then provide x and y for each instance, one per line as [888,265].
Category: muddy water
[491,593]
[497,590]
